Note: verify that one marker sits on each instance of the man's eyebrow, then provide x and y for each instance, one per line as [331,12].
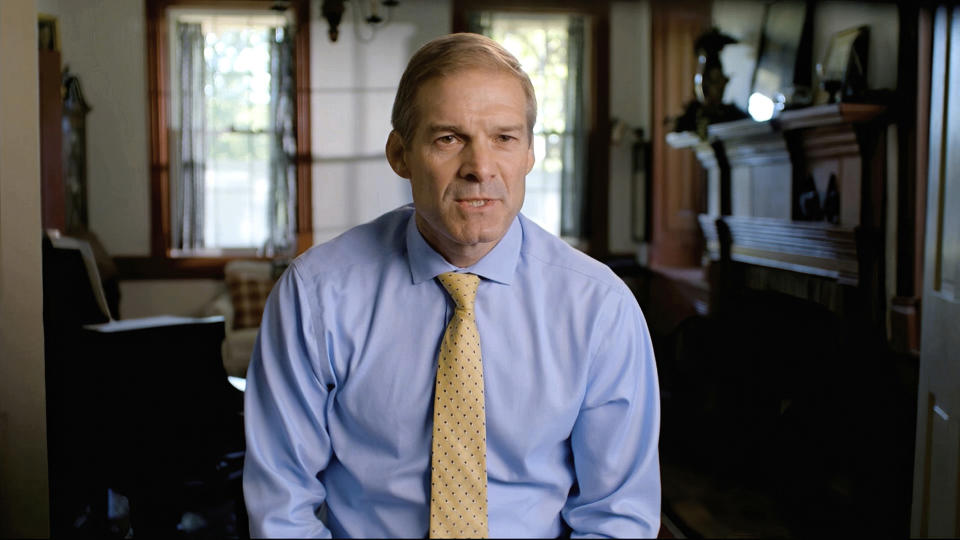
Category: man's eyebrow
[434,128]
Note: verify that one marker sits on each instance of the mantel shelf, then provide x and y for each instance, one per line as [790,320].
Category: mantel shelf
[827,115]
[808,117]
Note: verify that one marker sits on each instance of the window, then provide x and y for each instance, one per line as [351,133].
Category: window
[230,169]
[227,131]
[550,47]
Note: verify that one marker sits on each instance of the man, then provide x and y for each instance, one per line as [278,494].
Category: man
[450,368]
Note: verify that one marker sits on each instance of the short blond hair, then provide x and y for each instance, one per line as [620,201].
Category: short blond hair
[445,56]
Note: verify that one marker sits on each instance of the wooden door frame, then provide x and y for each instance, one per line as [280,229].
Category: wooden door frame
[934,362]
[671,246]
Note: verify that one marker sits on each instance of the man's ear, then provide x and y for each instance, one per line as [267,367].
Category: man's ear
[531,159]
[395,155]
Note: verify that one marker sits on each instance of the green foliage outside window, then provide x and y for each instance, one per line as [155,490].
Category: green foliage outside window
[238,94]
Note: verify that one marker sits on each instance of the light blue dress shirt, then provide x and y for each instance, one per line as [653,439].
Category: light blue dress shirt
[339,398]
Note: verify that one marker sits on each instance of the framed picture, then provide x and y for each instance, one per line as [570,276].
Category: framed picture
[782,73]
[48,35]
[842,73]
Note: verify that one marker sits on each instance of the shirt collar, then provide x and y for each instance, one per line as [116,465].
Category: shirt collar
[498,265]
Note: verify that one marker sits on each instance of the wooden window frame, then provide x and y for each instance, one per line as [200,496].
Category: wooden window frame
[160,264]
[597,190]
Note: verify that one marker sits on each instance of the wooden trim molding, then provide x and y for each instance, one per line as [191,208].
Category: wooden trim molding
[52,199]
[598,156]
[304,158]
[922,115]
[158,91]
[678,193]
[913,117]
[157,99]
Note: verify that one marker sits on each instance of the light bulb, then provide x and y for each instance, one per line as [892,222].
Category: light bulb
[760,107]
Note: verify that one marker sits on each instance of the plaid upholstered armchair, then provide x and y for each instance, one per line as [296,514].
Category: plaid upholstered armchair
[248,284]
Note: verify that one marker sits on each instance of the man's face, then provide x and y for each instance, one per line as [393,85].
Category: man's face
[466,161]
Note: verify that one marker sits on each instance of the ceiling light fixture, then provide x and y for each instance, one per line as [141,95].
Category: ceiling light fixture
[368,10]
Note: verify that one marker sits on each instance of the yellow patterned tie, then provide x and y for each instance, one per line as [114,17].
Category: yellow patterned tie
[458,493]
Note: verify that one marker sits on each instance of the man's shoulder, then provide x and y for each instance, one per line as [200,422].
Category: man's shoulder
[371,243]
[555,255]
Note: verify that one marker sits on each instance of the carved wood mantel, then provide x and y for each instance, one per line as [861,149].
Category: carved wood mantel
[760,173]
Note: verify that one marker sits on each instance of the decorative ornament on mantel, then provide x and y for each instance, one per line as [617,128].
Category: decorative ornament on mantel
[709,84]
[367,10]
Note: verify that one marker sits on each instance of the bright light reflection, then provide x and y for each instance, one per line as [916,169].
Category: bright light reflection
[239,383]
[760,107]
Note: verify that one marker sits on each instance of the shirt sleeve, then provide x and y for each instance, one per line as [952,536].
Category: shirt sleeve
[288,445]
[615,437]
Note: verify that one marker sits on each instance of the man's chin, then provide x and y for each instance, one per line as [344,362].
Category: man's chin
[480,235]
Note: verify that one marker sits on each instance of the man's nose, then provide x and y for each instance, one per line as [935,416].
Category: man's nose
[478,162]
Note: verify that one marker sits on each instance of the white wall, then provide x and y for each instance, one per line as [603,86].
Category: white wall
[104,44]
[353,82]
[630,89]
[184,297]
[24,495]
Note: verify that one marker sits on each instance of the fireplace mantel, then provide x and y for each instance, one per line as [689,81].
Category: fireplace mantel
[759,174]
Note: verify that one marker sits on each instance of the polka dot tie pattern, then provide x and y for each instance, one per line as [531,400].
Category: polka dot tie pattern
[458,492]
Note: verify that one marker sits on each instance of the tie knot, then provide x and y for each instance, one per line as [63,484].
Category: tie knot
[461,287]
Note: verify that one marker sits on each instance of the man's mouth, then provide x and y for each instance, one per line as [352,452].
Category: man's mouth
[475,203]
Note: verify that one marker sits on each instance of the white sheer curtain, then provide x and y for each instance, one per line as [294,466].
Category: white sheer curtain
[573,177]
[281,207]
[187,189]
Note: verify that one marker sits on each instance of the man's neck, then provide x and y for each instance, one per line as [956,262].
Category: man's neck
[463,260]
[458,255]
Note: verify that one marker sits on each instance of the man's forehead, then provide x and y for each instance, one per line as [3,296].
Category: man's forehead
[435,92]
[481,72]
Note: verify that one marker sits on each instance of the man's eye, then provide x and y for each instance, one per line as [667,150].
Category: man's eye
[506,138]
[447,139]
